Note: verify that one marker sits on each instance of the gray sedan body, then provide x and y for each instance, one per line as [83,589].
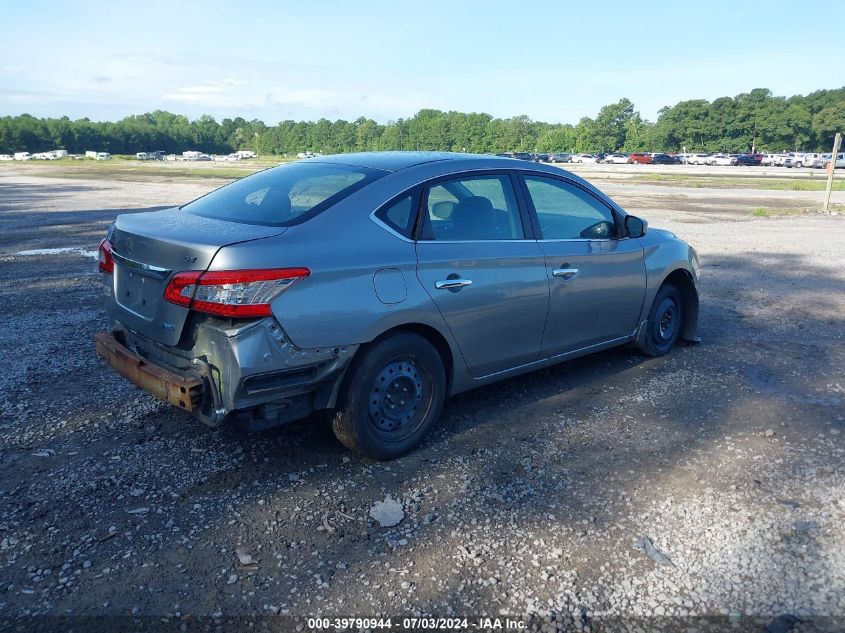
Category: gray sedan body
[410,248]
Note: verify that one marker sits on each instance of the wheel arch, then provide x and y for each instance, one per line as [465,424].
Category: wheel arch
[430,334]
[682,279]
[326,397]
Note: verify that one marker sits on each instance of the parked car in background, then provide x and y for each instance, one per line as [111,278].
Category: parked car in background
[615,159]
[560,158]
[640,158]
[103,156]
[583,158]
[697,159]
[797,159]
[840,161]
[819,163]
[778,160]
[720,159]
[665,159]
[518,155]
[767,160]
[6,157]
[22,156]
[747,160]
[242,306]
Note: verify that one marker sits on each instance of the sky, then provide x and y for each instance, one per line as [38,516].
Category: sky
[553,61]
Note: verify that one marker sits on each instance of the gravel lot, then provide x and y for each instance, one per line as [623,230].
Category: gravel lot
[704,489]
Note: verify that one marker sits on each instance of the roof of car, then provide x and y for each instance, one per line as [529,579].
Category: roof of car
[394,161]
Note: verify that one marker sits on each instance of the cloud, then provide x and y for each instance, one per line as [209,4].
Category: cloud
[209,93]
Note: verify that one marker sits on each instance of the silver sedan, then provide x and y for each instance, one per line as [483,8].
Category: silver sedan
[375,286]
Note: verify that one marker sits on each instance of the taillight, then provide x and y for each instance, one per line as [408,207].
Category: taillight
[232,293]
[105,261]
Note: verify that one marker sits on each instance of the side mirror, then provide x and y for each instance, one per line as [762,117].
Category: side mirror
[634,226]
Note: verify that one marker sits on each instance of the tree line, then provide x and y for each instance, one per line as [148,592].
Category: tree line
[755,120]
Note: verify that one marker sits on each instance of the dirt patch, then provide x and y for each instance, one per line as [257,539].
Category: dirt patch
[527,500]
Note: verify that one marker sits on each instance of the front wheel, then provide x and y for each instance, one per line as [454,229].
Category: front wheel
[665,319]
[391,397]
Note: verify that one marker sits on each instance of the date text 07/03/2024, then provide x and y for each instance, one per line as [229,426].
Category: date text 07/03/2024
[418,623]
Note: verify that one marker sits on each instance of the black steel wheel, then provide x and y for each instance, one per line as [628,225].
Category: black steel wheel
[399,398]
[664,323]
[391,396]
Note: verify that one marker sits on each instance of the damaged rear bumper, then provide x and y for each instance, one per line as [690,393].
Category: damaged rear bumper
[250,369]
[180,391]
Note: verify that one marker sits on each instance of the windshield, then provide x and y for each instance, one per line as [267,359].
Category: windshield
[285,195]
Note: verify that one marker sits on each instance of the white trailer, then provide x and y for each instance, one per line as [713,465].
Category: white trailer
[91,155]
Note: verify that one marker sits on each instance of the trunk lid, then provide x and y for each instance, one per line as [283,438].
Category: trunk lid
[149,248]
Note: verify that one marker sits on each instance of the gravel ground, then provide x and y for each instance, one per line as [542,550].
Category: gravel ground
[700,491]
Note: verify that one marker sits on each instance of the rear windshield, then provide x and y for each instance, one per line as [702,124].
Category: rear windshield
[285,195]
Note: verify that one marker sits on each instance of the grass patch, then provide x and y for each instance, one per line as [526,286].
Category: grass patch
[768,212]
[134,170]
[769,184]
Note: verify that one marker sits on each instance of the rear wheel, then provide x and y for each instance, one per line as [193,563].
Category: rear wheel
[665,319]
[391,397]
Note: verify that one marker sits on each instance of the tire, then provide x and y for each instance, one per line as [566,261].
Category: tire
[664,323]
[372,418]
[799,164]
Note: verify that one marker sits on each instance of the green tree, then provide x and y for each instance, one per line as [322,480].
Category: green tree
[557,139]
[609,128]
[754,119]
[827,123]
[637,137]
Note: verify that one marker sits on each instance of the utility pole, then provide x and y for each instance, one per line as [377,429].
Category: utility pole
[836,140]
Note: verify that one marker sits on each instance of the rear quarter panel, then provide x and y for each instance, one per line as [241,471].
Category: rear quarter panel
[337,304]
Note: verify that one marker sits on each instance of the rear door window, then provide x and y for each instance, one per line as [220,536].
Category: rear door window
[400,214]
[472,208]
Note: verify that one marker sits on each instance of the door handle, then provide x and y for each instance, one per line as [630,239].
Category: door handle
[448,284]
[568,274]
